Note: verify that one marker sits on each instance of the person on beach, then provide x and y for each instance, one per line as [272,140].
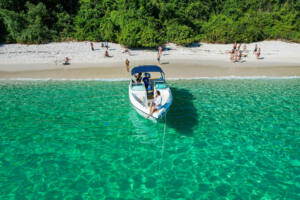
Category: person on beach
[255,49]
[245,48]
[236,56]
[240,56]
[160,49]
[158,58]
[92,46]
[258,54]
[102,45]
[156,105]
[234,45]
[126,50]
[106,55]
[67,61]
[232,55]
[127,65]
[239,47]
[106,45]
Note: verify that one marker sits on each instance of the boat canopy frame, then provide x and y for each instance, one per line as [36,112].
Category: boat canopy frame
[146,68]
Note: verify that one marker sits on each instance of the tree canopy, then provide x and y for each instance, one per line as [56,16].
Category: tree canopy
[148,23]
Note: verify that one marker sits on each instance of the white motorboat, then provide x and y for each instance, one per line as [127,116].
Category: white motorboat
[141,97]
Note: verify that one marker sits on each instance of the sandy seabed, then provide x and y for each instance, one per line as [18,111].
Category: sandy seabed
[278,59]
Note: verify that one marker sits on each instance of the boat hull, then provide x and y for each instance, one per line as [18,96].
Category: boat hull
[144,110]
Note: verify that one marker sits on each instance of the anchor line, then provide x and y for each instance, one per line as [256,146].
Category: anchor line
[162,152]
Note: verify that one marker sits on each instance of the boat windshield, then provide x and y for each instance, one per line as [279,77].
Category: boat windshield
[156,76]
[138,87]
[160,85]
[152,76]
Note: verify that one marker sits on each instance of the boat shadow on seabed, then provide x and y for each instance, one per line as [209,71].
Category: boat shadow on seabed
[182,115]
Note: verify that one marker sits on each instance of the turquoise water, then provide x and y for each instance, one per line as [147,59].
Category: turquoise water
[225,139]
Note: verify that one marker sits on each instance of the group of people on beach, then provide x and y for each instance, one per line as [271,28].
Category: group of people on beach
[103,45]
[237,54]
[106,54]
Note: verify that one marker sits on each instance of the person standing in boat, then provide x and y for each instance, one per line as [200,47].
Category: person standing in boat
[146,81]
[156,105]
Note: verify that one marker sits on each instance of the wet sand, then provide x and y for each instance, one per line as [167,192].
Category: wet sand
[173,70]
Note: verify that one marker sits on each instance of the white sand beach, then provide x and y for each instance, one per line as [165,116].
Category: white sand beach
[199,60]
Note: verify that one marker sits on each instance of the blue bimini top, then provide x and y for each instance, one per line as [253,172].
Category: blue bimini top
[146,68]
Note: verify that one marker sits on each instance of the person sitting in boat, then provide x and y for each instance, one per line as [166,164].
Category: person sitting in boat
[146,80]
[156,105]
[138,77]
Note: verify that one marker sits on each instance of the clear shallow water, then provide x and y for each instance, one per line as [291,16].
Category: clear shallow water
[225,139]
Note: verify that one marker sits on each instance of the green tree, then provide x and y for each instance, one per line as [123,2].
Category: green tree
[2,30]
[219,28]
[147,23]
[179,34]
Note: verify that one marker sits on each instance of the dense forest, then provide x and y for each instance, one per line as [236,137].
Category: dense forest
[147,23]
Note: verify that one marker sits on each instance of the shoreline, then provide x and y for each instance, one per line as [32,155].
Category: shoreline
[180,70]
[171,79]
[279,59]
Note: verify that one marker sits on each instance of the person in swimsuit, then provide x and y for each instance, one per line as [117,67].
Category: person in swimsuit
[106,55]
[240,56]
[258,54]
[245,48]
[156,105]
[239,47]
[126,50]
[127,63]
[234,45]
[232,55]
[158,58]
[106,45]
[92,46]
[236,56]
[67,61]
[160,50]
[255,49]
